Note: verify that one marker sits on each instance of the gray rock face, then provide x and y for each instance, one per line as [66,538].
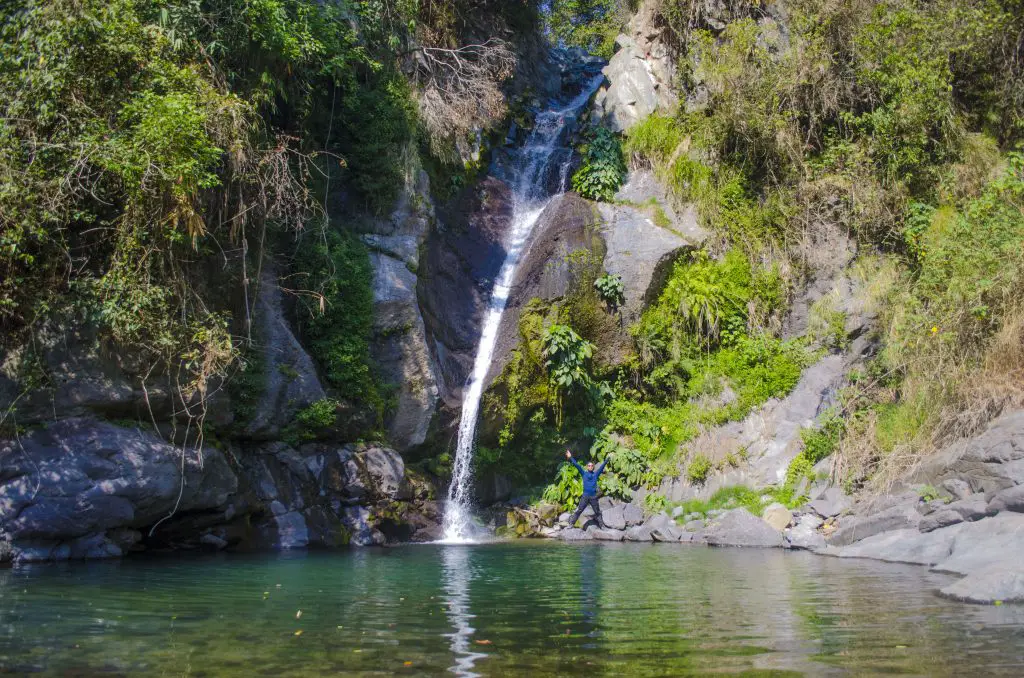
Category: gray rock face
[739,527]
[989,463]
[1004,583]
[82,478]
[640,74]
[637,248]
[987,552]
[770,436]
[291,382]
[861,527]
[614,518]
[83,488]
[943,518]
[958,488]
[1010,499]
[805,535]
[833,502]
[633,515]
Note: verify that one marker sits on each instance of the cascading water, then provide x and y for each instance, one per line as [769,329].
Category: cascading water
[529,200]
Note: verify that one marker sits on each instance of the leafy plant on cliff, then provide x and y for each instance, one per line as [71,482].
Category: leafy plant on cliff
[611,289]
[603,169]
[567,361]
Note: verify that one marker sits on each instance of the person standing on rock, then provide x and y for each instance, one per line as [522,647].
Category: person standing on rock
[590,476]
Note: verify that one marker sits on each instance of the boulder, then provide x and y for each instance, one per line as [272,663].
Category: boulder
[898,517]
[739,527]
[633,515]
[903,546]
[778,516]
[831,503]
[607,535]
[669,533]
[805,535]
[694,525]
[386,471]
[614,518]
[574,534]
[639,533]
[1010,499]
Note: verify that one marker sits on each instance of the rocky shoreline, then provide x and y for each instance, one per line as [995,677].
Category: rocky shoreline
[973,526]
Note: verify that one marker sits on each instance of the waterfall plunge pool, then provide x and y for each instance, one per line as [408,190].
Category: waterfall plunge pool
[501,609]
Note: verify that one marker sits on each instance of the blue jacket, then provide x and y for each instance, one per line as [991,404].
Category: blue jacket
[589,477]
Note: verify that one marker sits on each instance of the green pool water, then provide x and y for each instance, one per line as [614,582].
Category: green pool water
[506,609]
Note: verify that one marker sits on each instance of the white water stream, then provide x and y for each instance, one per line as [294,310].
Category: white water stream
[529,200]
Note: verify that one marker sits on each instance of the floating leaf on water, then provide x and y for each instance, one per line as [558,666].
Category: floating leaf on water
[998,602]
[406,663]
[299,632]
[483,642]
[298,615]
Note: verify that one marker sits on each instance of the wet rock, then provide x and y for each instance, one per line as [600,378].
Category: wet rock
[357,520]
[387,471]
[778,516]
[738,527]
[831,503]
[1010,499]
[861,527]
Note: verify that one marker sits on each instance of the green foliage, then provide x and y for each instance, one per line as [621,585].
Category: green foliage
[611,289]
[821,442]
[699,469]
[321,414]
[337,319]
[567,357]
[928,493]
[603,170]
[736,496]
[590,24]
[655,503]
[567,488]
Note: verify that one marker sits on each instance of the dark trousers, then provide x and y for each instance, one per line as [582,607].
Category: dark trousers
[584,500]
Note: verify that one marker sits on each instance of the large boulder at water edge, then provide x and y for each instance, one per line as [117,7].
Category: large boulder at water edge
[739,527]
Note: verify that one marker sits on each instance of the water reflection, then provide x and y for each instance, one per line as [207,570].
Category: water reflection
[457,577]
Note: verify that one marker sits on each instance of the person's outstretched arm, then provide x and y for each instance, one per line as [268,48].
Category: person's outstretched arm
[572,459]
[600,469]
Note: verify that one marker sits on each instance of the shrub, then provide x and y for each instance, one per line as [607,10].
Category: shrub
[603,169]
[611,289]
[699,469]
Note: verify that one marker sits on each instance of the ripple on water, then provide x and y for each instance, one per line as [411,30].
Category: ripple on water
[498,609]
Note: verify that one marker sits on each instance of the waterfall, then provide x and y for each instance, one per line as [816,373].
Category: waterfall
[529,198]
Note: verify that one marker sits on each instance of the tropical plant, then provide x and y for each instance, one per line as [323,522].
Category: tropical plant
[603,169]
[611,289]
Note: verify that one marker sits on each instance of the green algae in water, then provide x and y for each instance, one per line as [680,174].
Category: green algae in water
[522,608]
